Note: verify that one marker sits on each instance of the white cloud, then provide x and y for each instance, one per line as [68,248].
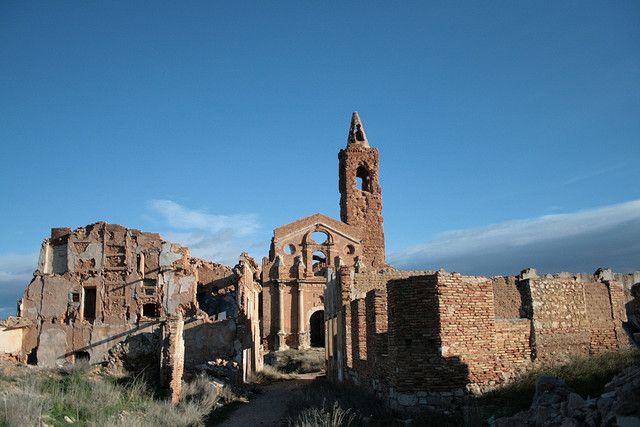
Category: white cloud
[179,217]
[214,237]
[579,241]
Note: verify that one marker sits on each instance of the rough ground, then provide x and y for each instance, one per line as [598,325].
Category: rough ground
[268,409]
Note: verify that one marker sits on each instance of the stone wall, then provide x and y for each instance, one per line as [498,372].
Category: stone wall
[572,318]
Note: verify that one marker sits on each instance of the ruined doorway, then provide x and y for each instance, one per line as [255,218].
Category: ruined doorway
[316,329]
[89,304]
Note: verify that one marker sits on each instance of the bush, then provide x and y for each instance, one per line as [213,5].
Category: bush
[323,416]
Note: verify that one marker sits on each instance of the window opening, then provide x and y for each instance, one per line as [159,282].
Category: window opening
[89,311]
[318,263]
[150,310]
[320,237]
[363,179]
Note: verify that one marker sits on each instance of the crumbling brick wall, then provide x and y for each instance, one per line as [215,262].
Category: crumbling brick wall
[359,337]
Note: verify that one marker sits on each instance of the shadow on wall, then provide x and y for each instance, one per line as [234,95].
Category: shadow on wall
[204,341]
[415,343]
[632,326]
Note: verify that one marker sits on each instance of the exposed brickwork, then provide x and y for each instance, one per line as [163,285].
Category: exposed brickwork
[513,346]
[467,324]
[602,335]
[359,335]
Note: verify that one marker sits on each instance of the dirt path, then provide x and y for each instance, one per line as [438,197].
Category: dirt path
[268,408]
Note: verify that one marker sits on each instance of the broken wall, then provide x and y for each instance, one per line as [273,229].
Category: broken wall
[105,292]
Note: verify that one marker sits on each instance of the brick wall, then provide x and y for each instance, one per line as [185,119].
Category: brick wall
[513,346]
[377,341]
[602,335]
[359,336]
[467,324]
[414,337]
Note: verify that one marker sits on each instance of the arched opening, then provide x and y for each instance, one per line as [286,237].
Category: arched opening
[363,179]
[320,237]
[316,329]
[318,263]
[289,249]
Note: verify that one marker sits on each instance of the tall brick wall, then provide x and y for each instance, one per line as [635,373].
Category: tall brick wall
[377,340]
[467,324]
[359,336]
[513,346]
[602,335]
[415,340]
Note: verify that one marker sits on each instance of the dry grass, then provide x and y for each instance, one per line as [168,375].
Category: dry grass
[586,375]
[299,361]
[87,398]
[323,416]
[269,374]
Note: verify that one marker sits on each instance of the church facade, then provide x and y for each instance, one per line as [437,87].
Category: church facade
[303,251]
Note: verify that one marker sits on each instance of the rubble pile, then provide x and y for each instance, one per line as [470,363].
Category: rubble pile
[555,404]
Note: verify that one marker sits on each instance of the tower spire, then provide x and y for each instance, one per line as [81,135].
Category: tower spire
[356,132]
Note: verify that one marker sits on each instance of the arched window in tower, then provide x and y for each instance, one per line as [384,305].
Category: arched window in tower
[363,179]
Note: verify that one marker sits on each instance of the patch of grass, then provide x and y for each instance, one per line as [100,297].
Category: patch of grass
[87,398]
[270,374]
[298,361]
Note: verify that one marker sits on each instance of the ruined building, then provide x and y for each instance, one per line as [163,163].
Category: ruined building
[415,338]
[114,295]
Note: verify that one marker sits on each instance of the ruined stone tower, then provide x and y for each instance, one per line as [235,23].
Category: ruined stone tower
[360,192]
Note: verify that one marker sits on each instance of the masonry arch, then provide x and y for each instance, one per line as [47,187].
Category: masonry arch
[363,179]
[316,327]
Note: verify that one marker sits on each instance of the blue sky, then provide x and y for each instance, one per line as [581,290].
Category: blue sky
[508,131]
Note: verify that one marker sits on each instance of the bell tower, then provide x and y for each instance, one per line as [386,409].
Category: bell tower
[360,192]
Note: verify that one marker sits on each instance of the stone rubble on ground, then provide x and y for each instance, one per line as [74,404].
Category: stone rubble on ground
[555,404]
